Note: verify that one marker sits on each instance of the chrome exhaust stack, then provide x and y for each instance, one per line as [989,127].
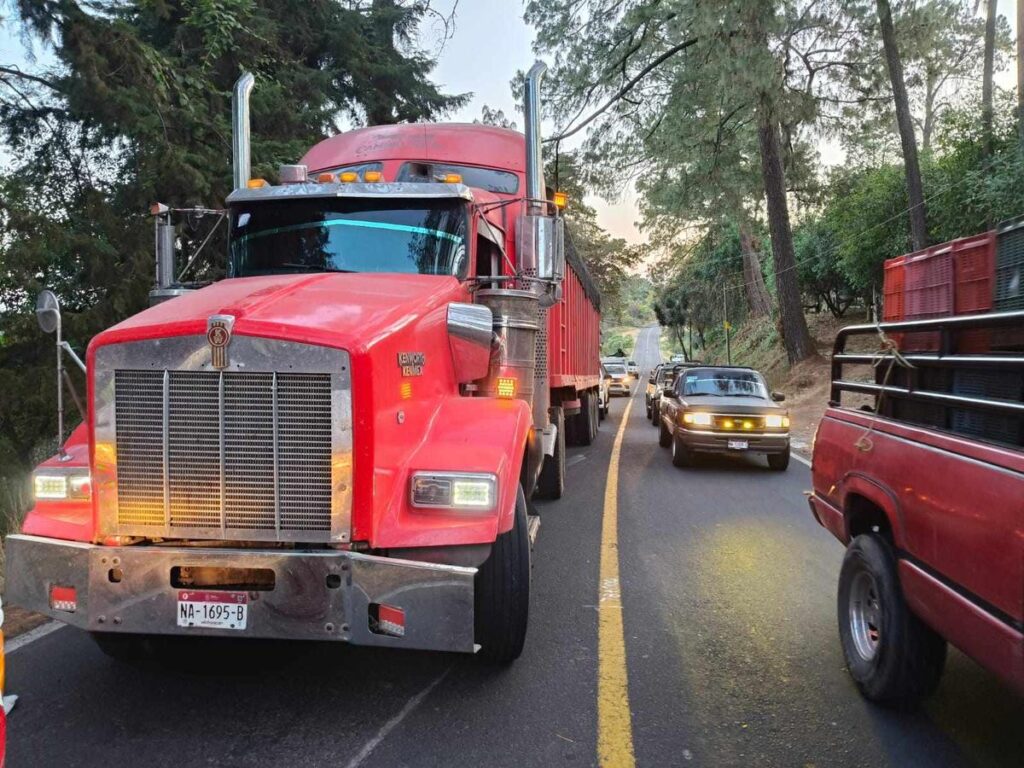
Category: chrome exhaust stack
[534,161]
[240,152]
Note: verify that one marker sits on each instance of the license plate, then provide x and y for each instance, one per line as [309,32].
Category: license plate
[738,445]
[213,610]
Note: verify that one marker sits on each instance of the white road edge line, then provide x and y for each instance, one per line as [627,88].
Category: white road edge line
[32,635]
[800,458]
[394,722]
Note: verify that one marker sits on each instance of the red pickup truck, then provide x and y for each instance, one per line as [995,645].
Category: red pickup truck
[918,468]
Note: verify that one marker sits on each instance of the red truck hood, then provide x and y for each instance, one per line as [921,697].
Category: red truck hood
[349,311]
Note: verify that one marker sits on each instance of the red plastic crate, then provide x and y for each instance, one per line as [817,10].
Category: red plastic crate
[892,289]
[928,292]
[892,293]
[974,265]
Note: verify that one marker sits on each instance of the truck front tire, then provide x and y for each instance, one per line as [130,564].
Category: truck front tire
[894,658]
[501,594]
[779,462]
[551,483]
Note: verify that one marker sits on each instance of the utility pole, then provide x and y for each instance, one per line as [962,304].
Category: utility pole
[725,323]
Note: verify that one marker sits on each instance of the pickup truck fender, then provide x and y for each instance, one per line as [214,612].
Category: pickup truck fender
[464,434]
[856,484]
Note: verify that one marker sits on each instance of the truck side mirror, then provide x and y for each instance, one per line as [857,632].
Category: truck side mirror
[470,331]
[48,311]
[778,397]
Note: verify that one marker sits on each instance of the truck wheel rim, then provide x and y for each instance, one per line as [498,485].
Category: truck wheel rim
[865,615]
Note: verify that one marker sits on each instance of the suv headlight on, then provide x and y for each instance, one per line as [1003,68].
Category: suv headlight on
[776,421]
[61,484]
[697,419]
[472,491]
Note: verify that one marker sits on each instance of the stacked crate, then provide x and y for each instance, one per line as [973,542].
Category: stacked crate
[1009,282]
[990,384]
[974,272]
[927,293]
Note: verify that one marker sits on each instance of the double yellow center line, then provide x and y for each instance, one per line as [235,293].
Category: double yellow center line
[614,723]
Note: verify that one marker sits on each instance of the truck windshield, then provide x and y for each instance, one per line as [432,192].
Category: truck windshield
[349,235]
[725,383]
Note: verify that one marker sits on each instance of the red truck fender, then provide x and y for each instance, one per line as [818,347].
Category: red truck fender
[856,486]
[464,434]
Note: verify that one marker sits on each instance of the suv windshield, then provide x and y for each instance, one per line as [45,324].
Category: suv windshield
[349,235]
[726,383]
[616,368]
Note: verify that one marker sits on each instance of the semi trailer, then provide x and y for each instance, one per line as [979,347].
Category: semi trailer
[339,439]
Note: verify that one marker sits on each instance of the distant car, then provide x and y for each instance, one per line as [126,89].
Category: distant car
[633,368]
[650,386]
[664,379]
[603,396]
[723,409]
[618,379]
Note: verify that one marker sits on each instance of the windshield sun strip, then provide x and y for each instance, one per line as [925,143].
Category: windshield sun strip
[457,239]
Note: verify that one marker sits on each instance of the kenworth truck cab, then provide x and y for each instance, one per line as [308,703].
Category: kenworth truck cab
[337,441]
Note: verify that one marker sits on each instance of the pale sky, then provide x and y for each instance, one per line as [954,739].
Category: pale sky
[490,43]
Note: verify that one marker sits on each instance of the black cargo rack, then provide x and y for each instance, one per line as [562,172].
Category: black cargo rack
[941,388]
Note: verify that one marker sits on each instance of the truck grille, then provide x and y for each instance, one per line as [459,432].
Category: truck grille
[232,450]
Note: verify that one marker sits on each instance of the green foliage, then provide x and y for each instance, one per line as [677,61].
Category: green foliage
[136,108]
[615,342]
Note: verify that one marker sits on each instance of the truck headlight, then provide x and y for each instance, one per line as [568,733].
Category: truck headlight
[51,484]
[454,490]
[697,419]
[776,421]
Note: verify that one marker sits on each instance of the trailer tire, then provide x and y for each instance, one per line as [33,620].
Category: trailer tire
[584,421]
[894,658]
[551,483]
[501,594]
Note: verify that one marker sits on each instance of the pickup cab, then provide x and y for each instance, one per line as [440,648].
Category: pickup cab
[918,469]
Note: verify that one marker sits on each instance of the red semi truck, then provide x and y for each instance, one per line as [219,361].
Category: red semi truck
[337,441]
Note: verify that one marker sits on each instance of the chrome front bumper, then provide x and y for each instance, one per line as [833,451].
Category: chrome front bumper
[317,594]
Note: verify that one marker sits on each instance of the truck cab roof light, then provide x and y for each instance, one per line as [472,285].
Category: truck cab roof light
[373,176]
[326,178]
[450,178]
[256,183]
[348,177]
[561,200]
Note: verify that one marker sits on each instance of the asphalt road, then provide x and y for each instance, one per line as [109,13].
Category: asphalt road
[731,651]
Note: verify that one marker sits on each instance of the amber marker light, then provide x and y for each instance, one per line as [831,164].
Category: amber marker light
[373,176]
[453,178]
[506,387]
[405,390]
[348,177]
[561,200]
[256,183]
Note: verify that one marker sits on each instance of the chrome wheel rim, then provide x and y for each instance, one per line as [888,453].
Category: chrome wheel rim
[865,615]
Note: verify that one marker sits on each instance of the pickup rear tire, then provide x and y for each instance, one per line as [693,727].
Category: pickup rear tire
[501,595]
[778,461]
[894,658]
[551,483]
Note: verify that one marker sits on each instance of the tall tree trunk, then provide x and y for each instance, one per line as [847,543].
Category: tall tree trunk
[915,193]
[1020,71]
[758,300]
[986,79]
[795,335]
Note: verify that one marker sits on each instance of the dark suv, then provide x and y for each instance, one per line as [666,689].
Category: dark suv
[723,409]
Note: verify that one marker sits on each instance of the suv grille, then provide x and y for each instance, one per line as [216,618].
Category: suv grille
[223,450]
